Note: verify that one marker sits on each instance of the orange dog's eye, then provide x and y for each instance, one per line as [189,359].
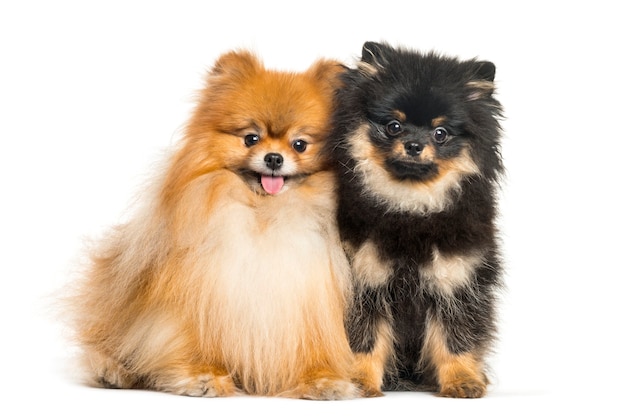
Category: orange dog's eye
[299,145]
[251,139]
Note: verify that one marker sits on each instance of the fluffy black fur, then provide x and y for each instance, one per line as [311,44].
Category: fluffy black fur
[420,87]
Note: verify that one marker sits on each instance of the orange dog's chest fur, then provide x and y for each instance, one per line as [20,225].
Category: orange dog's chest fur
[256,290]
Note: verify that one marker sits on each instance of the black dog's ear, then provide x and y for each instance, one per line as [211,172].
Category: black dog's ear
[373,58]
[374,53]
[486,70]
[481,85]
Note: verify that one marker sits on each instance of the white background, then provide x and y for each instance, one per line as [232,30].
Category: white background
[93,93]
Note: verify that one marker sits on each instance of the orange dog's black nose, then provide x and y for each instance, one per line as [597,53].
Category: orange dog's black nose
[273,161]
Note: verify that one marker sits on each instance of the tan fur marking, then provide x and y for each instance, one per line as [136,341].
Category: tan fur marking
[398,148]
[370,367]
[438,121]
[446,273]
[368,267]
[399,115]
[367,69]
[428,154]
[364,151]
[480,89]
[458,375]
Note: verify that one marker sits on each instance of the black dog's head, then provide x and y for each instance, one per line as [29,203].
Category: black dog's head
[411,126]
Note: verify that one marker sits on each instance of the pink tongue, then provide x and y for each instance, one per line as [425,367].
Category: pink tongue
[272,184]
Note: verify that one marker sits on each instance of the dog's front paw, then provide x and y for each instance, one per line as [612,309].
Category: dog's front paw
[468,389]
[324,389]
[202,385]
[368,374]
[109,373]
[371,391]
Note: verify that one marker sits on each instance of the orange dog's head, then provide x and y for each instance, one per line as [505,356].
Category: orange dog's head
[267,126]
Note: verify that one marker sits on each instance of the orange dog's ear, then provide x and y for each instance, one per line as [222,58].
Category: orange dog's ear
[236,64]
[327,72]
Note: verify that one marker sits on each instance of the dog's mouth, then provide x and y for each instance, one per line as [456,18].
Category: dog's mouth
[269,183]
[272,184]
[404,169]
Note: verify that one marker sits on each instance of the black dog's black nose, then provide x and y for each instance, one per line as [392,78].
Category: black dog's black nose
[413,148]
[273,160]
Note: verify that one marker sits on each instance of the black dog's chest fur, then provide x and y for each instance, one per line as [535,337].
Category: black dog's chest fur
[467,224]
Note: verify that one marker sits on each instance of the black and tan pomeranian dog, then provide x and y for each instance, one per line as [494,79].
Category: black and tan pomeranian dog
[232,276]
[417,141]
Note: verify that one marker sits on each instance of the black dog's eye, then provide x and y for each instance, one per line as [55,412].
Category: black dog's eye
[393,128]
[251,139]
[440,134]
[299,145]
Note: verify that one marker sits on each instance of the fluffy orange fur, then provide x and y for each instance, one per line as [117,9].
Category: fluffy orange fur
[216,286]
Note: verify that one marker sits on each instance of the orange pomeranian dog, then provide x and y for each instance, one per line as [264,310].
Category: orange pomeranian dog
[231,277]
